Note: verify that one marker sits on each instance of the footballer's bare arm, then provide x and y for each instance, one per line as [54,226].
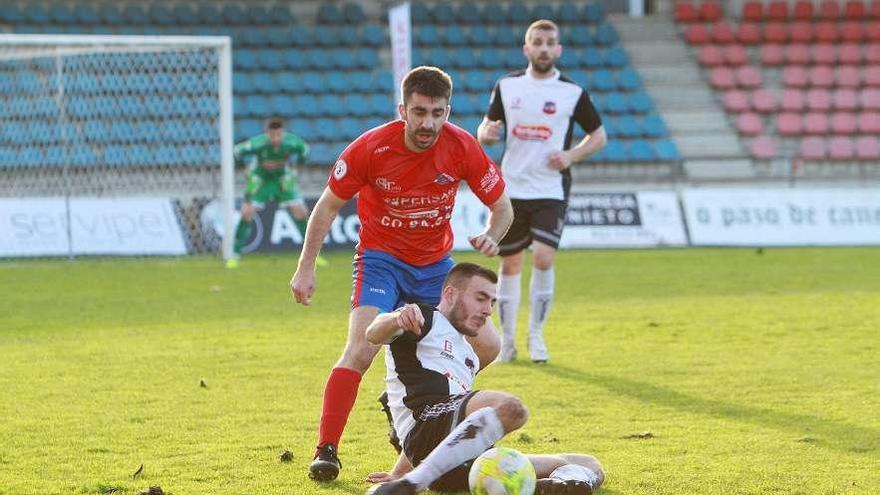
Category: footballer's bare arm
[388,326]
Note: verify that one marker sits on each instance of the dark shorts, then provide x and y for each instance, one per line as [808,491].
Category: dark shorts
[534,219]
[434,424]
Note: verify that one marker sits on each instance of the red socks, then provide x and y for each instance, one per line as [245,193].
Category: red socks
[339,395]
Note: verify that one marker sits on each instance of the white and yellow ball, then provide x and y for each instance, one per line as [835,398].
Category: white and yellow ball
[502,471]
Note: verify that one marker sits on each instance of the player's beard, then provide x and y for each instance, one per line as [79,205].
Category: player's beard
[543,65]
[468,325]
[423,138]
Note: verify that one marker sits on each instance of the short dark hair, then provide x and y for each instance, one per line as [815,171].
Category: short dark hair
[541,25]
[428,81]
[275,123]
[463,272]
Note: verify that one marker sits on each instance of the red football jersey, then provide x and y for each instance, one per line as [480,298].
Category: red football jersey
[405,198]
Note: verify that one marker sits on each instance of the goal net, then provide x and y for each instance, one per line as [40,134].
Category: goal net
[113,145]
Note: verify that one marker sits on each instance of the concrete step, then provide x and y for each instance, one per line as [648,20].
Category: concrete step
[670,75]
[697,122]
[719,169]
[713,145]
[682,98]
[659,53]
[651,28]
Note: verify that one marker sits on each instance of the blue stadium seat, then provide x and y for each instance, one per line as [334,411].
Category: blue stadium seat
[614,151]
[455,36]
[380,104]
[233,14]
[382,81]
[161,15]
[247,128]
[256,106]
[331,105]
[313,82]
[629,127]
[542,11]
[306,105]
[569,59]
[282,104]
[373,35]
[280,15]
[463,58]
[338,83]
[641,151]
[427,36]
[36,13]
[319,59]
[507,36]
[325,129]
[349,129]
[591,58]
[367,58]
[133,14]
[166,155]
[491,58]
[342,58]
[357,105]
[264,82]
[578,36]
[629,79]
[443,14]
[493,13]
[329,13]
[321,154]
[603,80]
[420,14]
[641,102]
[274,36]
[480,36]
[270,59]
[206,14]
[518,13]
[654,127]
[476,82]
[58,14]
[567,13]
[616,103]
[295,59]
[616,57]
[353,13]
[667,151]
[593,13]
[242,83]
[183,14]
[358,81]
[302,36]
[329,36]
[11,14]
[244,59]
[288,81]
[606,35]
[468,13]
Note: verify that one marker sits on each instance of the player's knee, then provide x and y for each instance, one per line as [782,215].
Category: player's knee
[359,358]
[543,261]
[512,413]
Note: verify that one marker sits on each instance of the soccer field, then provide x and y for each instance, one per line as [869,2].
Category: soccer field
[694,371]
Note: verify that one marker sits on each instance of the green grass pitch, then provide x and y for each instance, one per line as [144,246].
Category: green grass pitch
[754,373]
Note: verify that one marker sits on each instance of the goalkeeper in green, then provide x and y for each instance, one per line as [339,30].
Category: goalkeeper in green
[269,178]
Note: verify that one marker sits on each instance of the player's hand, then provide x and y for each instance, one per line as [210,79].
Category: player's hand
[302,285]
[411,319]
[381,477]
[492,130]
[560,160]
[484,244]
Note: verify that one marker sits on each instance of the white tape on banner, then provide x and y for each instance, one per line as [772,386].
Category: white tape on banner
[400,30]
[783,217]
[38,227]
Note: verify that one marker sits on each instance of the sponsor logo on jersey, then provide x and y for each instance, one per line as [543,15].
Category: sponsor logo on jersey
[516,104]
[382,149]
[387,185]
[549,107]
[469,363]
[489,180]
[340,169]
[532,132]
[444,179]
[447,346]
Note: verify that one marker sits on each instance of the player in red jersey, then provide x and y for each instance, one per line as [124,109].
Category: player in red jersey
[406,174]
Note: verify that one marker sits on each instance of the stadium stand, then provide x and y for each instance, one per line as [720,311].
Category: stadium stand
[811,88]
[326,70]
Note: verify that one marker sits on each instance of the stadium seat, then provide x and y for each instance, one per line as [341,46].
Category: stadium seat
[841,148]
[468,13]
[801,32]
[824,54]
[614,151]
[763,148]
[848,77]
[872,54]
[821,76]
[735,55]
[711,56]
[870,76]
[373,36]
[641,103]
[844,123]
[697,34]
[763,101]
[772,55]
[749,124]
[735,101]
[868,148]
[594,13]
[616,57]
[869,99]
[789,124]
[819,100]
[813,148]
[845,100]
[592,58]
[667,151]
[852,32]
[686,12]
[329,13]
[849,54]
[795,77]
[827,32]
[628,79]
[606,35]
[748,33]
[777,10]
[353,13]
[869,123]
[723,33]
[654,127]
[775,33]
[628,127]
[748,77]
[753,11]
[816,123]
[797,54]
[710,11]
[803,10]
[722,78]
[640,151]
[616,103]
[829,10]
[604,81]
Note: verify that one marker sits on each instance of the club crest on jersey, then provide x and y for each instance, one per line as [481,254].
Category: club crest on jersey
[340,169]
[516,104]
[549,107]
[444,179]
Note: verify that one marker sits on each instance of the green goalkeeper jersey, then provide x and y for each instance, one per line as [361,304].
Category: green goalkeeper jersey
[271,161]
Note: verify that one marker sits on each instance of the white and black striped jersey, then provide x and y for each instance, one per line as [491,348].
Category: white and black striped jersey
[427,369]
[539,115]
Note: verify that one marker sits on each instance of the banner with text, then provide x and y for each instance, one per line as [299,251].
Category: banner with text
[38,227]
[782,217]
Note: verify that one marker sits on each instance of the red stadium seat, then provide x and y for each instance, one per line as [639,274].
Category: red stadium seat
[869,99]
[849,54]
[749,124]
[764,101]
[872,31]
[827,32]
[848,76]
[772,55]
[868,148]
[869,123]
[748,77]
[844,123]
[793,100]
[723,33]
[824,55]
[748,33]
[845,100]
[753,11]
[711,11]
[711,56]
[819,100]
[735,55]
[821,76]
[686,12]
[855,10]
[813,148]
[697,34]
[789,124]
[797,54]
[777,10]
[874,11]
[871,77]
[803,10]
[763,148]
[852,32]
[829,10]
[872,53]
[800,32]
[816,123]
[735,101]
[775,33]
[841,148]
[722,78]
[795,77]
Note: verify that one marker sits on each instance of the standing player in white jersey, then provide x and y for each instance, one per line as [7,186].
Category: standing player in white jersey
[539,107]
[444,424]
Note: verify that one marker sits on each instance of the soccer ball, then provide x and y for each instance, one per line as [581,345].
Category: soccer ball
[502,471]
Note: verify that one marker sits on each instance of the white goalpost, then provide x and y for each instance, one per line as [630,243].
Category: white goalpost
[115,144]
